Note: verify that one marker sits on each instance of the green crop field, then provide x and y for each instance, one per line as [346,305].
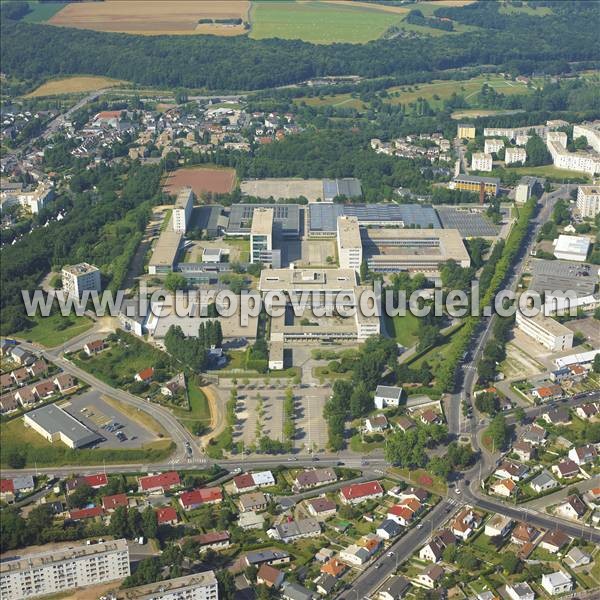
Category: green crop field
[320,22]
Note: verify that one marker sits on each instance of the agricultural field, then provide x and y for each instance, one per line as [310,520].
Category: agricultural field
[73,85]
[42,11]
[321,22]
[203,180]
[176,17]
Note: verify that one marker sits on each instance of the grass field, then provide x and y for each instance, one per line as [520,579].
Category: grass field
[73,85]
[405,328]
[199,409]
[55,330]
[550,172]
[147,17]
[15,437]
[540,11]
[321,22]
[42,11]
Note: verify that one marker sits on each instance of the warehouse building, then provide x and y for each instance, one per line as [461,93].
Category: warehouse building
[63,569]
[571,247]
[55,424]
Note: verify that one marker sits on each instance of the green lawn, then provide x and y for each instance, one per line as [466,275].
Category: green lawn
[42,11]
[15,437]
[404,328]
[550,172]
[320,22]
[118,364]
[55,330]
[539,11]
[435,355]
[199,412]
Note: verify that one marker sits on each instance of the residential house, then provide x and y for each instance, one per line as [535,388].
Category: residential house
[395,588]
[314,477]
[524,450]
[405,423]
[248,482]
[43,389]
[86,513]
[548,393]
[505,488]
[535,435]
[431,576]
[509,469]
[269,576]
[91,348]
[355,555]
[557,583]
[110,503]
[554,540]
[23,484]
[325,584]
[376,424]
[572,508]
[162,482]
[334,567]
[388,529]
[498,526]
[26,396]
[214,540]
[6,381]
[583,455]
[290,531]
[96,481]
[430,417]
[592,498]
[266,557]
[587,411]
[520,591]
[557,416]
[577,558]
[64,382]
[400,513]
[543,482]
[166,515]
[8,403]
[523,534]
[21,356]
[321,507]
[20,376]
[414,493]
[196,498]
[566,469]
[465,523]
[38,368]
[295,591]
[359,492]
[386,395]
[433,550]
[254,501]
[145,375]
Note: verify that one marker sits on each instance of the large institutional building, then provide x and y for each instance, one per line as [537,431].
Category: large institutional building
[63,569]
[349,243]
[183,210]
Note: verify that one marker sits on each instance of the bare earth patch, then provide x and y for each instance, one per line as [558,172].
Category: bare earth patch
[201,180]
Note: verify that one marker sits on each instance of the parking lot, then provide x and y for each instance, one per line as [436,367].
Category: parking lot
[93,411]
[311,429]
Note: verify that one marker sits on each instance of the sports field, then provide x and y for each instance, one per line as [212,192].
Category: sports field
[202,180]
[147,17]
[73,85]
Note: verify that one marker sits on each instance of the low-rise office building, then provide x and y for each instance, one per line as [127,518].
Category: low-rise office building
[571,247]
[546,331]
[63,569]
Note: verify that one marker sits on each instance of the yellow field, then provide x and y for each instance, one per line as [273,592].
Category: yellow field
[73,85]
[153,18]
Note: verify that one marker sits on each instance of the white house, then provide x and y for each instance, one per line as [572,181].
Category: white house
[557,583]
[520,591]
[386,395]
[498,526]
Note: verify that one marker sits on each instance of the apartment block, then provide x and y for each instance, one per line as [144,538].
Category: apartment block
[481,161]
[349,243]
[590,131]
[78,278]
[466,131]
[493,145]
[515,155]
[546,331]
[588,200]
[63,569]
[199,586]
[182,210]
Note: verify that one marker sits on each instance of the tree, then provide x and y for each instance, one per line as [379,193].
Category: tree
[364,271]
[499,432]
[227,589]
[175,282]
[149,522]
[511,563]
[487,402]
[81,496]
[16,460]
[596,363]
[537,153]
[119,526]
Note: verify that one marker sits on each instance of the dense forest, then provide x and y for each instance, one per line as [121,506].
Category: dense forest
[516,43]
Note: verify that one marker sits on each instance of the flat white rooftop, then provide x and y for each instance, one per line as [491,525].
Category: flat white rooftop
[572,244]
